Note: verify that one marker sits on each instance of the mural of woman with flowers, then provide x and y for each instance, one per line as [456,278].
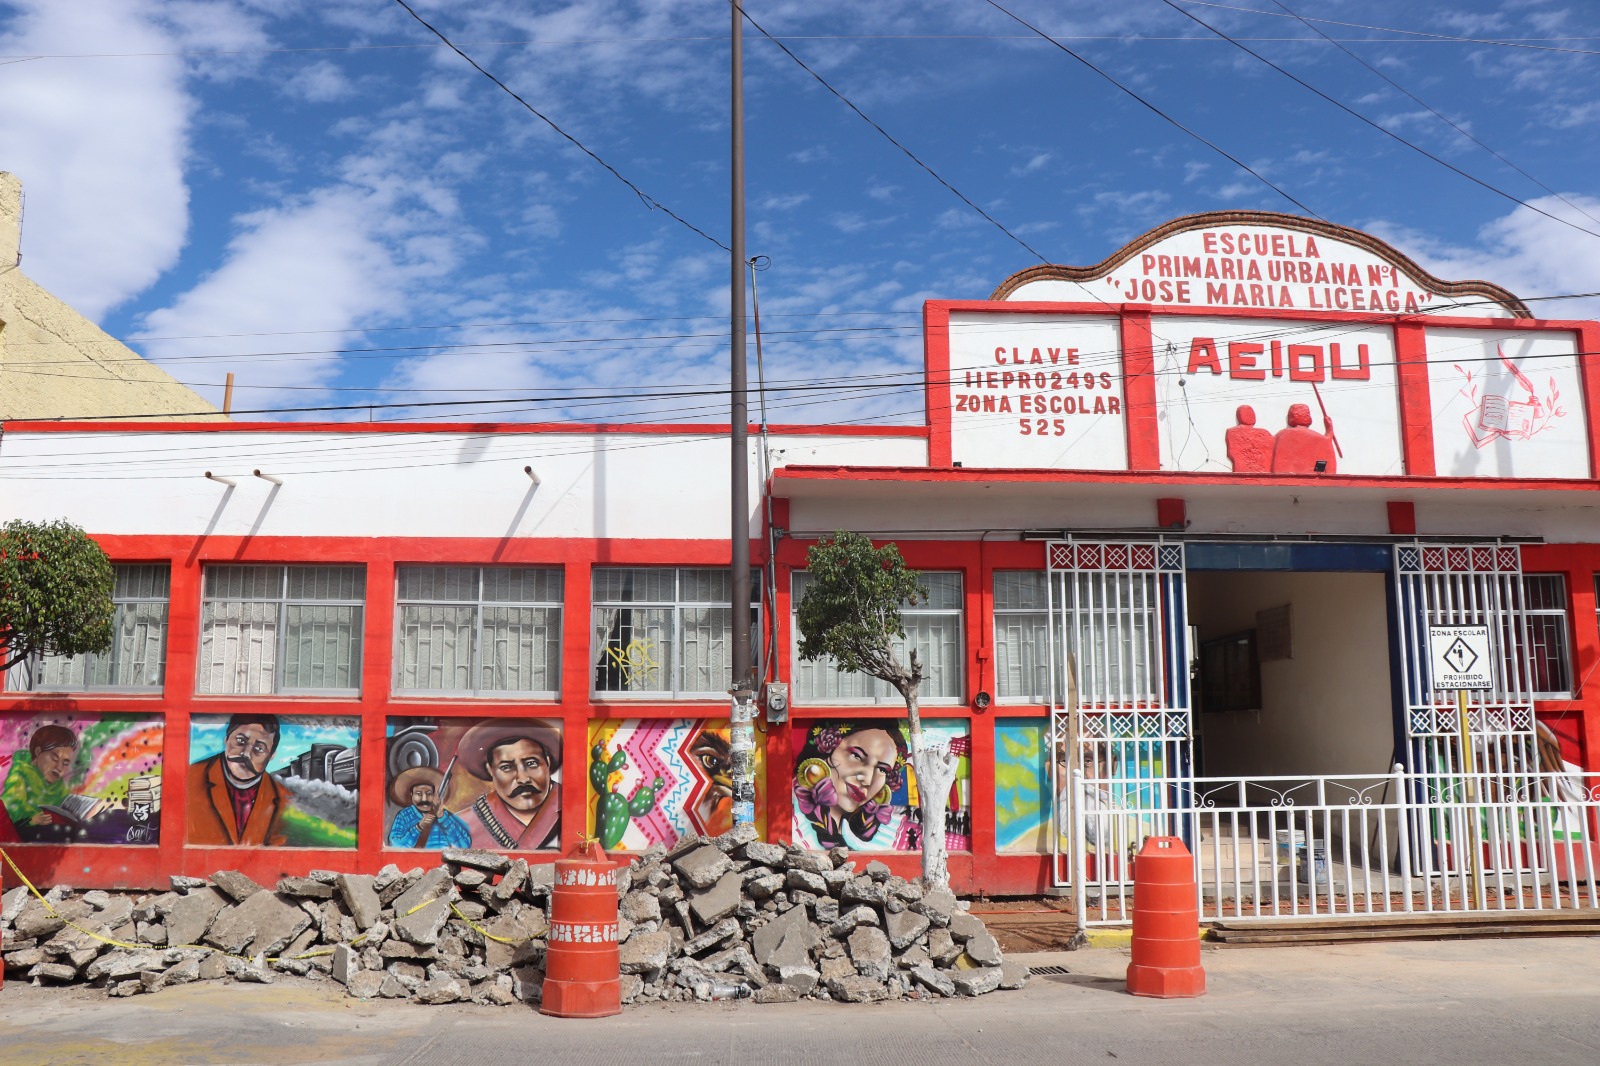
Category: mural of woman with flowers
[846,776]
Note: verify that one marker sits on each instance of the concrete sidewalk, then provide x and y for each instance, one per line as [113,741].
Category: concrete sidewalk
[1483,1001]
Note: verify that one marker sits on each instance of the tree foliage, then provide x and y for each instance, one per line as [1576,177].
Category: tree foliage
[850,611]
[55,592]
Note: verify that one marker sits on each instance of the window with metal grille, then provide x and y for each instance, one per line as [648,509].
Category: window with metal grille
[281,630]
[1021,637]
[136,661]
[933,627]
[1115,625]
[1545,600]
[478,631]
[667,631]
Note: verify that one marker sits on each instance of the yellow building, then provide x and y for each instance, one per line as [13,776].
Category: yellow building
[55,363]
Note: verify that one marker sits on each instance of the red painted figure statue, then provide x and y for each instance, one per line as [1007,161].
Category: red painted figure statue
[1249,446]
[1298,448]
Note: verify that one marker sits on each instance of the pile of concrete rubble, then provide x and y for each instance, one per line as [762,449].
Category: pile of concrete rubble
[710,917]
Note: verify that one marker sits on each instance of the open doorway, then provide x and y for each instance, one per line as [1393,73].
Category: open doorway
[1292,673]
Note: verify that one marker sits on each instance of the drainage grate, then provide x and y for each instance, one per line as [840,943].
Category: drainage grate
[1047,970]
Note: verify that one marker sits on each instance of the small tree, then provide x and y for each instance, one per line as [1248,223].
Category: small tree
[55,592]
[850,613]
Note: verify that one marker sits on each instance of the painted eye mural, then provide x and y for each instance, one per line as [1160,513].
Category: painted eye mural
[654,780]
[854,786]
[80,778]
[490,783]
[273,780]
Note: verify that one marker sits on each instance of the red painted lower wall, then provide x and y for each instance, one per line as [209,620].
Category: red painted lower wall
[984,868]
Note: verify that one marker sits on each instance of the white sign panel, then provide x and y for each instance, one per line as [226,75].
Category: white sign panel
[1506,404]
[1259,267]
[1257,396]
[1037,391]
[1460,657]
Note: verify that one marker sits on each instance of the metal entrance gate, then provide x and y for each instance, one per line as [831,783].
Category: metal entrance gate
[1120,698]
[1460,824]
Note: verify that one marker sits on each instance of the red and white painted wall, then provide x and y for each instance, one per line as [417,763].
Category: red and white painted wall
[343,641]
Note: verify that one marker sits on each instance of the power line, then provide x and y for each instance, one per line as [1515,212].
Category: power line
[649,201]
[920,379]
[1435,112]
[1377,126]
[1408,37]
[1536,43]
[1152,107]
[886,136]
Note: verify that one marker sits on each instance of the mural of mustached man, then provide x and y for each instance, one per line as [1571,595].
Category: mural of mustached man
[278,781]
[495,781]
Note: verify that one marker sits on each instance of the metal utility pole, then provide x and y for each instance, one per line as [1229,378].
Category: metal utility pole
[742,737]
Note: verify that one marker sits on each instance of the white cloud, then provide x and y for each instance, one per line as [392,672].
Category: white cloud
[1032,166]
[100,147]
[1524,251]
[783,202]
[320,82]
[357,253]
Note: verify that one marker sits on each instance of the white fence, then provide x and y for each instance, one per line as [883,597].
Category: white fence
[1347,846]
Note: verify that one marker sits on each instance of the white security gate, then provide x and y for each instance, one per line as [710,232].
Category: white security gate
[1467,824]
[1120,699]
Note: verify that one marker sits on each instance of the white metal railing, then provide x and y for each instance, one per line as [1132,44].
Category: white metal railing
[1346,846]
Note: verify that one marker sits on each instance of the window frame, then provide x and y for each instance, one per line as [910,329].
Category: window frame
[18,678]
[891,698]
[672,692]
[281,634]
[559,605]
[1042,653]
[1564,626]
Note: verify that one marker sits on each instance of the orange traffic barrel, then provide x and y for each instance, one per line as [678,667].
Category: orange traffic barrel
[1166,923]
[583,966]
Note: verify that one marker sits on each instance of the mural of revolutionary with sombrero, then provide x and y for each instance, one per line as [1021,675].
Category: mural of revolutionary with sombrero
[473,782]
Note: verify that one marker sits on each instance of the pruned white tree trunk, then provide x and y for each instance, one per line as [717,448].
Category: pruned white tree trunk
[936,772]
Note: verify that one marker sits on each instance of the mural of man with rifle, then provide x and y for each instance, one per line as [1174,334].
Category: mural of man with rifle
[422,821]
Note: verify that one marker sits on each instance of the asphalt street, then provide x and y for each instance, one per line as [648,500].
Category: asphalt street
[1533,1001]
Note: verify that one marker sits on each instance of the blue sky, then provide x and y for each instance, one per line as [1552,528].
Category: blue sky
[318,197]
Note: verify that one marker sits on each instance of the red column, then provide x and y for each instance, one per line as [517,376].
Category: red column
[1139,391]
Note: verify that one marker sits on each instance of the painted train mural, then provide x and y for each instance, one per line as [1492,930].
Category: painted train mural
[276,780]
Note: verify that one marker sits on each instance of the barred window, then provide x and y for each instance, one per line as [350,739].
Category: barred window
[1021,637]
[281,630]
[469,630]
[667,631]
[1114,620]
[136,660]
[1545,597]
[933,627]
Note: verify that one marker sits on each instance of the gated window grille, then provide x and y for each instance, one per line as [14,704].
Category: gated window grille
[667,631]
[136,660]
[932,627]
[281,630]
[1113,619]
[1545,597]
[479,631]
[1021,636]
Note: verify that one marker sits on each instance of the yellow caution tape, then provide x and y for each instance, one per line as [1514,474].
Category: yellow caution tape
[137,946]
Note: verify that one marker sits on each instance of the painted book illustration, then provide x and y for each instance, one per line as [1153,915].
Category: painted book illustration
[76,810]
[1505,416]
